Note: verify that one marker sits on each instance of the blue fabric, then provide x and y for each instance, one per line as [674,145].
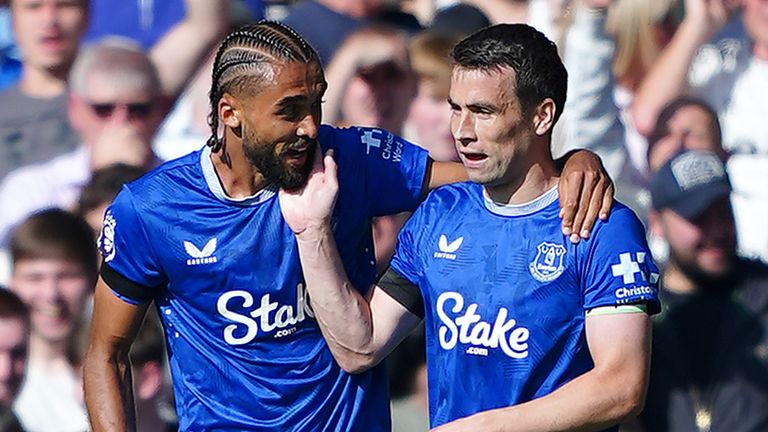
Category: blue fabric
[245,350]
[322,27]
[147,26]
[10,58]
[505,295]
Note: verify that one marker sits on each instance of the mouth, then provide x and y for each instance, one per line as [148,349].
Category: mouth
[472,160]
[54,41]
[297,155]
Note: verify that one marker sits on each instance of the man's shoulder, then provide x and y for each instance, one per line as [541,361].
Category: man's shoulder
[170,176]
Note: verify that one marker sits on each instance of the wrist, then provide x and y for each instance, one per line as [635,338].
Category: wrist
[314,232]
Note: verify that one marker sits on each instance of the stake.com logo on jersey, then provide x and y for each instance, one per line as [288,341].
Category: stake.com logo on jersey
[468,328]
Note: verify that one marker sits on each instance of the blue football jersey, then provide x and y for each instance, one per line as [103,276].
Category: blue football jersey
[245,351]
[505,294]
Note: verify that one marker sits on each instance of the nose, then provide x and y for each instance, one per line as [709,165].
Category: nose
[309,126]
[49,14]
[463,127]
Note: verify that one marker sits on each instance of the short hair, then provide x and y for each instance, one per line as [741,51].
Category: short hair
[119,58]
[246,56]
[105,184]
[539,71]
[12,307]
[661,128]
[431,58]
[55,234]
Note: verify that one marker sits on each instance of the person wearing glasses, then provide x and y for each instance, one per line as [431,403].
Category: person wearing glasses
[113,106]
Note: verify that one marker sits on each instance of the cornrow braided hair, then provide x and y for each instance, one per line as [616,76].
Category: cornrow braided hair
[245,54]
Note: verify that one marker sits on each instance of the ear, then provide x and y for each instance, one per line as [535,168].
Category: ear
[544,117]
[229,109]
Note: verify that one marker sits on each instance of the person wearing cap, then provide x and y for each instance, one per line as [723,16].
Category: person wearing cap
[710,355]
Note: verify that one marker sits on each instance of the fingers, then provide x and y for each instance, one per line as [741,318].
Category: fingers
[605,209]
[595,206]
[331,169]
[587,190]
[569,189]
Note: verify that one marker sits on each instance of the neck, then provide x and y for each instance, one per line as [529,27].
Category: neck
[239,178]
[43,83]
[539,176]
[44,352]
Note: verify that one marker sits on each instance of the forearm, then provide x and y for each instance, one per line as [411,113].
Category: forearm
[591,402]
[109,392]
[668,78]
[181,50]
[341,311]
[592,118]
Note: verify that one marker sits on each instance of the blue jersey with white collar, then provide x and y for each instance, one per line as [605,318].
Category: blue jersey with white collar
[505,294]
[245,350]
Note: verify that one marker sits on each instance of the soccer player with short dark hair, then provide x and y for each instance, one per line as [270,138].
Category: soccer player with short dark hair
[525,330]
[203,236]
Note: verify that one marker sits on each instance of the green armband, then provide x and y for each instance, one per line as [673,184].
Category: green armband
[619,309]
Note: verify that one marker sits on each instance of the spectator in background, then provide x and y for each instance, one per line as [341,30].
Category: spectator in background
[429,118]
[102,189]
[544,15]
[113,104]
[48,32]
[686,123]
[36,129]
[407,366]
[154,409]
[10,60]
[54,271]
[460,18]
[325,24]
[371,83]
[710,361]
[726,64]
[608,47]
[370,80]
[14,328]
[147,22]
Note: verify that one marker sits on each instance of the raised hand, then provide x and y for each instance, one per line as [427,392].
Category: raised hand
[709,15]
[310,207]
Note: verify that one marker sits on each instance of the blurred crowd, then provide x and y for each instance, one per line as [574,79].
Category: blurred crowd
[95,93]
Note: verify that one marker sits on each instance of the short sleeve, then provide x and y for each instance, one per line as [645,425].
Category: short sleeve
[618,267]
[130,267]
[407,261]
[391,170]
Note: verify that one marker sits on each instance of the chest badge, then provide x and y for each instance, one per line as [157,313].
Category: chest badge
[548,264]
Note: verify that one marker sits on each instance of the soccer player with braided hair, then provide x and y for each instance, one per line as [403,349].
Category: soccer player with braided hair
[205,239]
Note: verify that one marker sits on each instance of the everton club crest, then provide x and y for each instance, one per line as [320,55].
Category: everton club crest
[548,264]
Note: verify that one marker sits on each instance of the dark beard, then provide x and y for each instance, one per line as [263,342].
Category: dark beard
[704,280]
[272,167]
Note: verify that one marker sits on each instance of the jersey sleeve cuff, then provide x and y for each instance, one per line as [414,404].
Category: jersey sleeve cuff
[124,288]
